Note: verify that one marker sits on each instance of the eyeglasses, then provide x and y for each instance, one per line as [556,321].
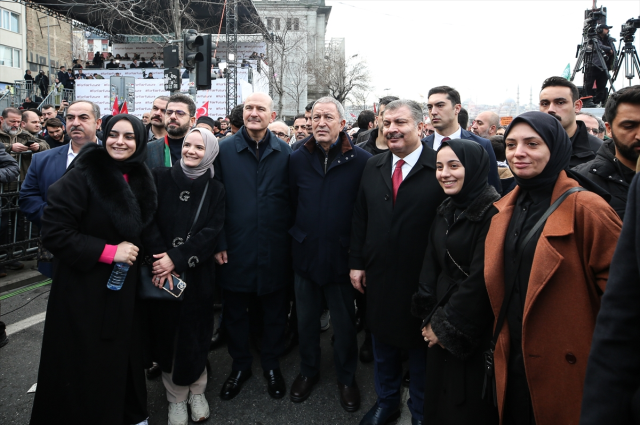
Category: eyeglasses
[430,132]
[594,131]
[179,113]
[296,127]
[281,135]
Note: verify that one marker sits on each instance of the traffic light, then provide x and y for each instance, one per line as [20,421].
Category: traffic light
[192,54]
[203,67]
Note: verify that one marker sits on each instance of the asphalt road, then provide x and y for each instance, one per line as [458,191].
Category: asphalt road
[253,406]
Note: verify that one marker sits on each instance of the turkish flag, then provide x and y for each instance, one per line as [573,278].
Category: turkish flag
[124,109]
[203,111]
[114,110]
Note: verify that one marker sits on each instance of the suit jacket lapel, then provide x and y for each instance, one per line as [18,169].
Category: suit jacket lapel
[424,160]
[61,163]
[385,168]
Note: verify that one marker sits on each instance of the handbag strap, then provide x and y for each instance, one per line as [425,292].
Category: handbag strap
[525,241]
[204,195]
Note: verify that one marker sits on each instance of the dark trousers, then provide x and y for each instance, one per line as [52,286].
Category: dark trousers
[236,324]
[309,300]
[599,76]
[388,376]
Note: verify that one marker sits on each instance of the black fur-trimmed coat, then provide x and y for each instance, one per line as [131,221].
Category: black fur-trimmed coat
[455,375]
[92,335]
[181,331]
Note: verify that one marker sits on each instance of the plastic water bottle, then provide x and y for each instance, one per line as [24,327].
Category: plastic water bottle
[118,276]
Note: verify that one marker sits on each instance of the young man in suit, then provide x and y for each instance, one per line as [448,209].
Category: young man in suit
[444,106]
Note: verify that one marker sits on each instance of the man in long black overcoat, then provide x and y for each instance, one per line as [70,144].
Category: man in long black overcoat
[388,241]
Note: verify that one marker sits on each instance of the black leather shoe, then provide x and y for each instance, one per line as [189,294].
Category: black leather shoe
[414,421]
[349,397]
[406,380]
[154,371]
[380,415]
[275,383]
[233,384]
[4,340]
[302,387]
[218,339]
[366,350]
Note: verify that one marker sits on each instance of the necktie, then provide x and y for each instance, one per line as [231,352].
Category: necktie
[397,178]
[445,139]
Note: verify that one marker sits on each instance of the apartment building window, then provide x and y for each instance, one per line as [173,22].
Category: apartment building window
[9,21]
[270,24]
[293,24]
[10,56]
[277,24]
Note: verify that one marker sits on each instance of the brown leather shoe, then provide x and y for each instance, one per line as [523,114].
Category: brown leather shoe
[302,387]
[349,397]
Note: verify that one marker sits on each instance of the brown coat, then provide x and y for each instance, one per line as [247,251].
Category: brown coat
[568,276]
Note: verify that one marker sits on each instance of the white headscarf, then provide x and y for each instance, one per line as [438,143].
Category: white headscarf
[211,152]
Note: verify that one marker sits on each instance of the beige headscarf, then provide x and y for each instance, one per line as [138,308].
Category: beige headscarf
[211,152]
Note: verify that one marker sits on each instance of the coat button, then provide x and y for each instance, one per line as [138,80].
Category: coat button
[570,358]
[386,197]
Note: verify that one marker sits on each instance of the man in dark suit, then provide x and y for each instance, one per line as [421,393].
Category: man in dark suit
[63,76]
[83,120]
[324,177]
[444,106]
[396,204]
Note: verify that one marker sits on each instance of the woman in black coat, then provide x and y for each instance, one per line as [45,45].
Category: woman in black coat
[460,328]
[91,367]
[181,331]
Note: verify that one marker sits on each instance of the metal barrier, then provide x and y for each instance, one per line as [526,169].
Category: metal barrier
[18,236]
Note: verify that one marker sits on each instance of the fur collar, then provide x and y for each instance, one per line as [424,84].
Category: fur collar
[478,207]
[131,206]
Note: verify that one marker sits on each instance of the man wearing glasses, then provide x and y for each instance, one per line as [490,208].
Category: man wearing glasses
[179,118]
[594,125]
[300,127]
[281,130]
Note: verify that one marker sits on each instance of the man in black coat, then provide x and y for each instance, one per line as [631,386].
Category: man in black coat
[63,76]
[615,163]
[324,177]
[55,135]
[444,106]
[560,97]
[396,204]
[254,247]
[373,140]
[612,382]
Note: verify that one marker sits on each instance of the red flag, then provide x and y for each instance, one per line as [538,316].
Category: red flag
[114,110]
[124,109]
[203,111]
[374,108]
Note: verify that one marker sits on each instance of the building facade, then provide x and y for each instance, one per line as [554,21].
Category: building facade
[13,43]
[297,29]
[49,41]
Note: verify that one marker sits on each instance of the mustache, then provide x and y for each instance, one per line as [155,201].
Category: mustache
[75,127]
[553,114]
[395,135]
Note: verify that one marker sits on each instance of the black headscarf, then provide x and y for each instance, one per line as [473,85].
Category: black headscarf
[556,139]
[475,160]
[559,144]
[140,155]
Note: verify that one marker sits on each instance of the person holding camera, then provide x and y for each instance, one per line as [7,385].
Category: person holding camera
[595,77]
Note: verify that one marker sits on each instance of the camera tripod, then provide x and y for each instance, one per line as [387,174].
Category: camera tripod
[585,53]
[629,55]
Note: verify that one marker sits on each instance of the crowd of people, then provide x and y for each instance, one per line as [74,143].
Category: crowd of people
[482,255]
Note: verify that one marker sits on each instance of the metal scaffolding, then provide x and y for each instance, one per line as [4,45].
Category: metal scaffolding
[232,54]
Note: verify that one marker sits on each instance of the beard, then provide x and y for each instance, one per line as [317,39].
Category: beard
[178,132]
[7,129]
[629,152]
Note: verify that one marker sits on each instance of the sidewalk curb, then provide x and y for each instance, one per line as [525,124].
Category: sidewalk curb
[21,283]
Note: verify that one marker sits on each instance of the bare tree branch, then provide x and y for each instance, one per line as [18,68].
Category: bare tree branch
[341,76]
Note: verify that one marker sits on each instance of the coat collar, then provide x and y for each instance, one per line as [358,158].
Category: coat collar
[345,144]
[476,210]
[241,139]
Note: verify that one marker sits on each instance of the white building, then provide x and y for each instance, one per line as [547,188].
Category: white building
[299,28]
[13,42]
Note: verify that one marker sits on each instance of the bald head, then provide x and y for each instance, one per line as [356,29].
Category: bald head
[262,98]
[486,124]
[31,122]
[280,129]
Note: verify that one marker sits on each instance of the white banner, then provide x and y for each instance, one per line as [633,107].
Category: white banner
[158,73]
[147,90]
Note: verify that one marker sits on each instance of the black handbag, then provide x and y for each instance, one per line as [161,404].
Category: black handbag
[146,289]
[489,375]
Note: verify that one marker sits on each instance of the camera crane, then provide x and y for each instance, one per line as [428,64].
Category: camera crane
[628,53]
[589,46]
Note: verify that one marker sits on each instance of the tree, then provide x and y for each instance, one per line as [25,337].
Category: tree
[359,97]
[340,75]
[297,70]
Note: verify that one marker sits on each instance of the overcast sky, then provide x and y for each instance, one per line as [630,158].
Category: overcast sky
[485,49]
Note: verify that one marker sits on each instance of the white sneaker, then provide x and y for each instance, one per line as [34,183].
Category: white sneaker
[145,422]
[178,414]
[199,407]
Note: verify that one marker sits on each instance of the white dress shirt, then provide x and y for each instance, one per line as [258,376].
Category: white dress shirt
[409,161]
[438,138]
[71,154]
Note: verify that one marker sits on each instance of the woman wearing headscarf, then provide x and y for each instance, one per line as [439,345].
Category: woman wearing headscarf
[554,281]
[91,366]
[181,331]
[452,283]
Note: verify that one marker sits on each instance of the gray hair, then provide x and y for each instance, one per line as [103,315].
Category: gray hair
[601,127]
[329,99]
[94,107]
[414,108]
